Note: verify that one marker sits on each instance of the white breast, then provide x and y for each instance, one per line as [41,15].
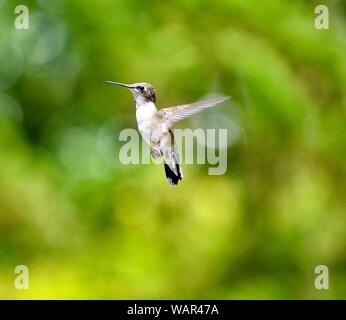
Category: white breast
[144,115]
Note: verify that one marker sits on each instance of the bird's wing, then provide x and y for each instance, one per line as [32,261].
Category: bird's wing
[177,113]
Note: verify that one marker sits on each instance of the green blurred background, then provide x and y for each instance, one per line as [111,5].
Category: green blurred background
[89,227]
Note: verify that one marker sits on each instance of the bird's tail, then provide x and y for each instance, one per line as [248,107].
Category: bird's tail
[173,170]
[173,176]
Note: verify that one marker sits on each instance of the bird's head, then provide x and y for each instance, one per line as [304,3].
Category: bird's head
[142,92]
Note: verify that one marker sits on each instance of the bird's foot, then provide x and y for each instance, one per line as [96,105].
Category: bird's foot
[156,154]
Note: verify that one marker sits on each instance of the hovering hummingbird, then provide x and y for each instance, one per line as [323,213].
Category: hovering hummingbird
[154,125]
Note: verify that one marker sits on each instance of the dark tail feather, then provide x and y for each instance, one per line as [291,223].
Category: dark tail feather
[171,176]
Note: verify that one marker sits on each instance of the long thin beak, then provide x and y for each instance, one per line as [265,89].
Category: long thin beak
[129,86]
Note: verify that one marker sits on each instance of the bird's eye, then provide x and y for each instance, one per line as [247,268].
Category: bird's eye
[141,88]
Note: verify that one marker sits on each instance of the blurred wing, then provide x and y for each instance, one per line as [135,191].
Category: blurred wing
[177,113]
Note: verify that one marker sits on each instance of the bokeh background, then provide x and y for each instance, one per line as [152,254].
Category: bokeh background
[89,227]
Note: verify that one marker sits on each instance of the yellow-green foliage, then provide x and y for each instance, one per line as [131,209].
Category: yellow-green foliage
[88,227]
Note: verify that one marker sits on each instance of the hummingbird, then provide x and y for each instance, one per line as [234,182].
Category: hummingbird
[155,125]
